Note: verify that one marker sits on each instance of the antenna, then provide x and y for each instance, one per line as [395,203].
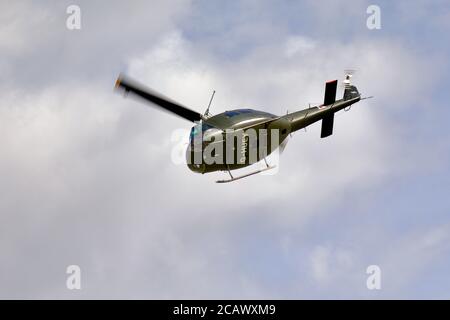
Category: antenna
[207,114]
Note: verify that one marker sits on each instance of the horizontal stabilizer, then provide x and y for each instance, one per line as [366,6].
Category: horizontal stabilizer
[330,92]
[327,126]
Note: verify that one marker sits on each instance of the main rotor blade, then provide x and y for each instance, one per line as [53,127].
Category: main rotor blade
[129,85]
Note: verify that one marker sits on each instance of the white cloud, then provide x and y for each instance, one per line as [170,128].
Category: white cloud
[320,264]
[299,45]
[14,34]
[405,260]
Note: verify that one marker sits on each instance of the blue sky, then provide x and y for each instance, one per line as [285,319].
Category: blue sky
[87,176]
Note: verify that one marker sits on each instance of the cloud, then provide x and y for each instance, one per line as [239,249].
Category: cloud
[299,45]
[408,258]
[14,36]
[320,263]
[87,176]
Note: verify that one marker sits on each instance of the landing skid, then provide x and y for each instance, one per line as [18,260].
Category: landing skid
[268,167]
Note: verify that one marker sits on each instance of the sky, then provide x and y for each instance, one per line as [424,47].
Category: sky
[87,177]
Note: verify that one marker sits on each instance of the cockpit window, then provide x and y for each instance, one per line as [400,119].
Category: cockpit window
[199,128]
[206,126]
[194,131]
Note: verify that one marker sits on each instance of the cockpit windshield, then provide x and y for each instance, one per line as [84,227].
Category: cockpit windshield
[199,128]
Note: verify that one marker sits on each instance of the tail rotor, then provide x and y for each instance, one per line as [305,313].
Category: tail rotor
[348,77]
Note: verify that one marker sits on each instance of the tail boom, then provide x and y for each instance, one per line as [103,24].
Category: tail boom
[303,118]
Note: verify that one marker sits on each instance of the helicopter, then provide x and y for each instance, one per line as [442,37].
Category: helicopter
[238,138]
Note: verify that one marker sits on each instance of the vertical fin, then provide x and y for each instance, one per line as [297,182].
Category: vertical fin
[330,92]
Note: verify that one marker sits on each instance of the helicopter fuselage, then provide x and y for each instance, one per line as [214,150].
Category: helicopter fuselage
[235,139]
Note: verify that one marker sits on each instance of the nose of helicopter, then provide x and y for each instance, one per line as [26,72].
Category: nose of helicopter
[198,168]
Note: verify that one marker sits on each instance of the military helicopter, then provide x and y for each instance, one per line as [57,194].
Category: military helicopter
[238,138]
